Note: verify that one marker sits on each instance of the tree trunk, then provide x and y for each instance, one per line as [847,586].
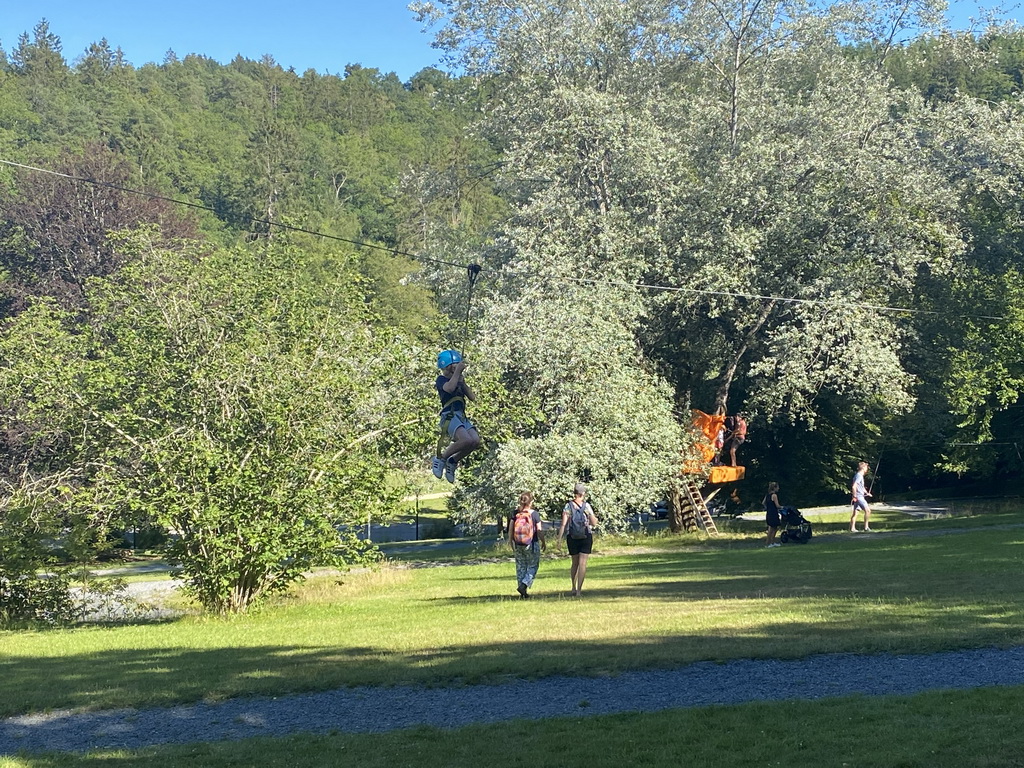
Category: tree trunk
[727,375]
[675,512]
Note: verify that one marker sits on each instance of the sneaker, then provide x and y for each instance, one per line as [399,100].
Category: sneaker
[521,589]
[449,471]
[437,467]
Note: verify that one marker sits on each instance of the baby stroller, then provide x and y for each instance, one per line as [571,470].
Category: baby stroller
[795,529]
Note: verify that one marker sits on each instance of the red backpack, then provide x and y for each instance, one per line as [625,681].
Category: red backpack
[523,528]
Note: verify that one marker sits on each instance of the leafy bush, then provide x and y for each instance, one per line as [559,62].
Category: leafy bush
[28,599]
[26,548]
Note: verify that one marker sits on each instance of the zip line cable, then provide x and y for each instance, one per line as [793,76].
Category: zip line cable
[755,296]
[474,269]
[255,220]
[472,272]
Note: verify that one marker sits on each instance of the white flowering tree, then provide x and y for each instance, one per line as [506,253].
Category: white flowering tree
[753,206]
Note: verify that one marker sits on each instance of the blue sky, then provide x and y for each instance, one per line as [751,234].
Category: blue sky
[304,34]
[309,34]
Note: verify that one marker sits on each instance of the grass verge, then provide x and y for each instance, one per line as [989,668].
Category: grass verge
[976,729]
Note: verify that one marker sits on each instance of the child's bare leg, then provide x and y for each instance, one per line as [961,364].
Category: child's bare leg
[465,442]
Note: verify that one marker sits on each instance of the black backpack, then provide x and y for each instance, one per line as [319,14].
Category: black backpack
[579,521]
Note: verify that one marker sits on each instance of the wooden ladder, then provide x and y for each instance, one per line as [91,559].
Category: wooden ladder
[694,505]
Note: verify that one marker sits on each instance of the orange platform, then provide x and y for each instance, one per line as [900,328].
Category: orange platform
[723,474]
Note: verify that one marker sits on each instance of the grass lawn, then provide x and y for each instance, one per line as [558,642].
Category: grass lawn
[673,602]
[945,515]
[934,730]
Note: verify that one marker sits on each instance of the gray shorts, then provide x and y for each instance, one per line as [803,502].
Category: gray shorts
[454,421]
[860,503]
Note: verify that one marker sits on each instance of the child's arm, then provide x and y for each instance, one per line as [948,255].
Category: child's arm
[457,379]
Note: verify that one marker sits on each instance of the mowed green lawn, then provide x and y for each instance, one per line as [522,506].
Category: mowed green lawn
[914,590]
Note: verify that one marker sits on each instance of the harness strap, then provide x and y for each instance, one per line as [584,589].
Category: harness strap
[442,437]
[448,410]
[446,419]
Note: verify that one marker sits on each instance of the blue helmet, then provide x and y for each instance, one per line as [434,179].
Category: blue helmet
[448,357]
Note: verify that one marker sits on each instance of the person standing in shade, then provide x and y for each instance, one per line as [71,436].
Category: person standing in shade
[525,535]
[859,498]
[736,435]
[577,529]
[772,517]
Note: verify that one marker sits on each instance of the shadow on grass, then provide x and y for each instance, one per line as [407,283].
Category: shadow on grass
[145,678]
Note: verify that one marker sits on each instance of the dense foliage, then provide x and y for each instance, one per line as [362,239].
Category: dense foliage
[245,387]
[234,396]
[774,202]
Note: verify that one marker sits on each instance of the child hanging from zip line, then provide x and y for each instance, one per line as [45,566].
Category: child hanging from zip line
[454,392]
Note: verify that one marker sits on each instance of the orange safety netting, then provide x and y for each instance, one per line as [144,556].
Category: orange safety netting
[711,425]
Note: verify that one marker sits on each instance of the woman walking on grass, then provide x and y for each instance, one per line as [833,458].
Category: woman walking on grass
[525,534]
[578,523]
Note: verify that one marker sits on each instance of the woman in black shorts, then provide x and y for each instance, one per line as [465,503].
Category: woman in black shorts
[578,523]
[771,509]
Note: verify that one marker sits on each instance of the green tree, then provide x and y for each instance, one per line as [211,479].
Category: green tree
[969,357]
[572,400]
[238,397]
[40,58]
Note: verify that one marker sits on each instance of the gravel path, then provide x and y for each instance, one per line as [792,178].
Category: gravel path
[373,710]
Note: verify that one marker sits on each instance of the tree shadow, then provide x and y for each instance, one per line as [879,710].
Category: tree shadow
[147,678]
